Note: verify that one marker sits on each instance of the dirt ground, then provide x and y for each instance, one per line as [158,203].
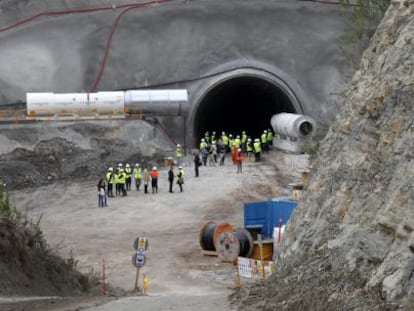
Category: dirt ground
[180,277]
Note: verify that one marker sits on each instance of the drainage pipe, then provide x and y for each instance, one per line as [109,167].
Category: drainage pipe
[293,125]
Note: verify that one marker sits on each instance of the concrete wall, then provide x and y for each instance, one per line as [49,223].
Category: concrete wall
[176,41]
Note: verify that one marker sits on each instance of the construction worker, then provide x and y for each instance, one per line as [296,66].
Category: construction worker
[225,141]
[213,137]
[263,138]
[269,139]
[128,174]
[203,144]
[122,181]
[154,179]
[109,177]
[116,181]
[137,176]
[147,178]
[257,147]
[237,141]
[231,143]
[239,159]
[179,153]
[249,149]
[243,141]
[207,138]
[180,178]
[171,178]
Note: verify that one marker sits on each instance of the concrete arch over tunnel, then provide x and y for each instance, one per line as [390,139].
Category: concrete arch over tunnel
[241,100]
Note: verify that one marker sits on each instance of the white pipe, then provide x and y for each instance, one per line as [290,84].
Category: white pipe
[293,125]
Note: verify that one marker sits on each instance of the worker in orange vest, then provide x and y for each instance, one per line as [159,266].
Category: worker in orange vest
[239,159]
[154,179]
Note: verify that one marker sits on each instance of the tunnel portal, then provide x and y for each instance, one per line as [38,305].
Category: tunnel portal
[242,103]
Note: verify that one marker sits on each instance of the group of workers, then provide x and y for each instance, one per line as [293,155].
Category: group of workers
[214,148]
[123,178]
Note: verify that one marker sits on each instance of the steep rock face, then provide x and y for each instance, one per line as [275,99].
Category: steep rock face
[350,244]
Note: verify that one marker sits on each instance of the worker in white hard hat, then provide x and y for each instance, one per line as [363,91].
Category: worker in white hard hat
[180,178]
[128,174]
[257,148]
[137,176]
[239,160]
[263,138]
[179,154]
[109,177]
[249,149]
[154,179]
[203,144]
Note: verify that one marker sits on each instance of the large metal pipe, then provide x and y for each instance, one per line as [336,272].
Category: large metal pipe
[157,102]
[293,125]
[147,102]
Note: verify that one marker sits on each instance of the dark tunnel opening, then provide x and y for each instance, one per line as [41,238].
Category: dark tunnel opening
[240,104]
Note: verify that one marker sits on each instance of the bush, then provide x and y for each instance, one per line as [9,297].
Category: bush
[364,18]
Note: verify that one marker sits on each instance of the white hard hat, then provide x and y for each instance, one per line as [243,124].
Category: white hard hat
[257,139]
[180,167]
[239,150]
[136,164]
[110,169]
[238,136]
[202,139]
[154,168]
[127,165]
[120,164]
[249,139]
[178,145]
[265,131]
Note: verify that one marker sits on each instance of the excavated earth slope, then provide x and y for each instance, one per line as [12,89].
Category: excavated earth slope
[350,244]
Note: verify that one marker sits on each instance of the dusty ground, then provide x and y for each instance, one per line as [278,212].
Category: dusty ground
[180,277]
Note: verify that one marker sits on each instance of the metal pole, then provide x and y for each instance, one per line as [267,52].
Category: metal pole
[136,287]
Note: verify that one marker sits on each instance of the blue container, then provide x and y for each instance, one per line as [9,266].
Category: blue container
[262,217]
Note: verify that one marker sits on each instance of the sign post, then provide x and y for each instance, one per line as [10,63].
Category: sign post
[138,259]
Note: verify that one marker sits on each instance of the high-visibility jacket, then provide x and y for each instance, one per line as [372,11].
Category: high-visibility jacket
[116,177]
[109,177]
[154,174]
[203,145]
[179,152]
[270,136]
[244,138]
[249,146]
[231,142]
[180,176]
[213,138]
[122,177]
[128,172]
[237,142]
[137,173]
[257,147]
[263,138]
[225,140]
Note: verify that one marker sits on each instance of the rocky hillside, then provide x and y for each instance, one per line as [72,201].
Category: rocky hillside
[350,244]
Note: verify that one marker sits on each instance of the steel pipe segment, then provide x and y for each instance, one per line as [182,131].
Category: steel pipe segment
[157,102]
[293,125]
